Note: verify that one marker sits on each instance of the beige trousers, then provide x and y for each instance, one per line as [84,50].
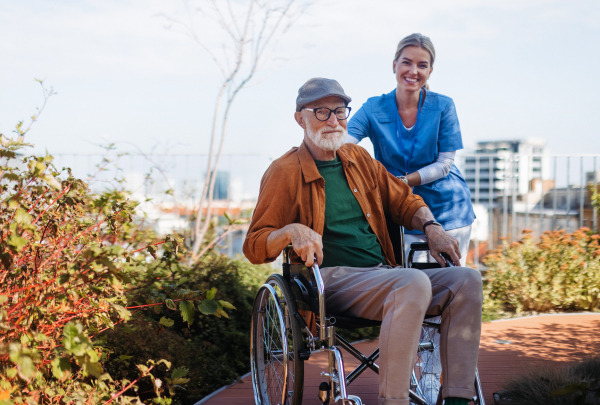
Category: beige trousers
[400,298]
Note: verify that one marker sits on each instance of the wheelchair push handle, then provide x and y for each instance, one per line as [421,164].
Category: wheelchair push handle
[424,246]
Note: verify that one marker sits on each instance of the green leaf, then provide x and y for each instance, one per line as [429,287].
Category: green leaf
[187,311]
[72,330]
[52,182]
[22,217]
[170,304]
[92,368]
[220,313]
[3,299]
[166,322]
[11,176]
[210,294]
[25,367]
[179,373]
[208,307]
[16,242]
[180,381]
[125,357]
[11,372]
[152,250]
[226,304]
[61,367]
[63,278]
[123,312]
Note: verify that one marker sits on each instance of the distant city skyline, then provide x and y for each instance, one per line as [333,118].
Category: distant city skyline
[515,69]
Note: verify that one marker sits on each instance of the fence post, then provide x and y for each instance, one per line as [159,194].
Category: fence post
[491,204]
[554,202]
[476,245]
[568,212]
[595,214]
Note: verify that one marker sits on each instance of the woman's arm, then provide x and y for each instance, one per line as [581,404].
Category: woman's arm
[438,169]
[359,126]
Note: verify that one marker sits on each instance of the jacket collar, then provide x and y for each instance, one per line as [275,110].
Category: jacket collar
[307,163]
[309,168]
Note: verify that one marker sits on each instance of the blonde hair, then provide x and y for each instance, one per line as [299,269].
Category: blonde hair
[416,40]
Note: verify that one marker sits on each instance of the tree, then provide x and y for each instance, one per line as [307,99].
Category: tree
[250,31]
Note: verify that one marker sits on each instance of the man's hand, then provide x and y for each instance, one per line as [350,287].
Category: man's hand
[306,242]
[440,241]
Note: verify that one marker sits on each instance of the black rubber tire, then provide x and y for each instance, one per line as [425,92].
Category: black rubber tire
[265,393]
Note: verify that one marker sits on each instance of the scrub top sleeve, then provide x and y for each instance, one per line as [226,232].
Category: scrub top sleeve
[450,138]
[359,126]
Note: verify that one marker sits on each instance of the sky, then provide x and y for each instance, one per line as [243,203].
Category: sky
[515,69]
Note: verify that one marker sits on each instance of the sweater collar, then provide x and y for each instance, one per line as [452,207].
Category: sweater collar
[309,168]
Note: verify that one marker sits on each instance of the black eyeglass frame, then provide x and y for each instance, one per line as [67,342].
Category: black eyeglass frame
[314,110]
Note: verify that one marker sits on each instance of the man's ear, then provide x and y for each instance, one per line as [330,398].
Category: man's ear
[300,119]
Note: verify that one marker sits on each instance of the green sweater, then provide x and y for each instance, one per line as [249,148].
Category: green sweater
[348,239]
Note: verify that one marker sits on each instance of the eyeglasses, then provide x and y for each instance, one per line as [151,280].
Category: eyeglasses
[323,113]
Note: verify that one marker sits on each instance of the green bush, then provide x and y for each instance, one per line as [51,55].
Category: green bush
[561,272]
[576,384]
[74,264]
[215,350]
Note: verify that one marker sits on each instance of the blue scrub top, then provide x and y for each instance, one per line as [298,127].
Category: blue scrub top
[437,130]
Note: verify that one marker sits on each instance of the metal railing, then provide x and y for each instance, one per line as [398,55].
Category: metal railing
[514,192]
[510,192]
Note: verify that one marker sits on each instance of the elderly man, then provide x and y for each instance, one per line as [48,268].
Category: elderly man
[329,200]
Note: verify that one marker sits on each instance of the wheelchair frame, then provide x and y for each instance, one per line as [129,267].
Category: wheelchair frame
[335,390]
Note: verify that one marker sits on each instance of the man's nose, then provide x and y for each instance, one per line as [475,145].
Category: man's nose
[332,121]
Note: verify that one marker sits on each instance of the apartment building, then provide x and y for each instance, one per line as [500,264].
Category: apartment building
[498,168]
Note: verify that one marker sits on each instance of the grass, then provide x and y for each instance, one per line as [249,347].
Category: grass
[542,385]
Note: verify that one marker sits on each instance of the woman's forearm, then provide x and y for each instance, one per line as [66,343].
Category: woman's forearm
[438,169]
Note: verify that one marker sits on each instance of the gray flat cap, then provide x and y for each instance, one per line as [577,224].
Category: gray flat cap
[317,88]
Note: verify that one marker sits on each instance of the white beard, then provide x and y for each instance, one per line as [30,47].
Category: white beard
[330,142]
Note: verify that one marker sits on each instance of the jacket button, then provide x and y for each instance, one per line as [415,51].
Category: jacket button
[355,190]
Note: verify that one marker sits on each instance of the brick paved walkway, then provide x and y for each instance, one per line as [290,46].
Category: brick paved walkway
[554,339]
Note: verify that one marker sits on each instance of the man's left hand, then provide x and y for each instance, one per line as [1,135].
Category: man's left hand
[440,241]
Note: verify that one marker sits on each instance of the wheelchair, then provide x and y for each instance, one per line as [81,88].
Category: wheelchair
[281,341]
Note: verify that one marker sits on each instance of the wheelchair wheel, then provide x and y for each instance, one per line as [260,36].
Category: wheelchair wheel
[427,373]
[427,376]
[277,373]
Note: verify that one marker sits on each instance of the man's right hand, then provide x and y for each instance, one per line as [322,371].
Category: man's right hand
[306,242]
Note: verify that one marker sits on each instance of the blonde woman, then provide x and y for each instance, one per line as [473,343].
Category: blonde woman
[415,134]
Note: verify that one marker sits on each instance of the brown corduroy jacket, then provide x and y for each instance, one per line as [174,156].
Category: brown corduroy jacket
[293,191]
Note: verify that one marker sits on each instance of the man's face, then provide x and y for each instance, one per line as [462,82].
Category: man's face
[327,135]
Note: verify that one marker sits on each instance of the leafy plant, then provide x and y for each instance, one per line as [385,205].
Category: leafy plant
[71,264]
[560,272]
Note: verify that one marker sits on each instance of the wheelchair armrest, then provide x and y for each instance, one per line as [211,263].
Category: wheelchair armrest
[419,246]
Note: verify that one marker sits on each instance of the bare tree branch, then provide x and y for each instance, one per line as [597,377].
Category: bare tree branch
[251,30]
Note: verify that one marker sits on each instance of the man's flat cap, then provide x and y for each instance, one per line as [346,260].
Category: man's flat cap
[318,88]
